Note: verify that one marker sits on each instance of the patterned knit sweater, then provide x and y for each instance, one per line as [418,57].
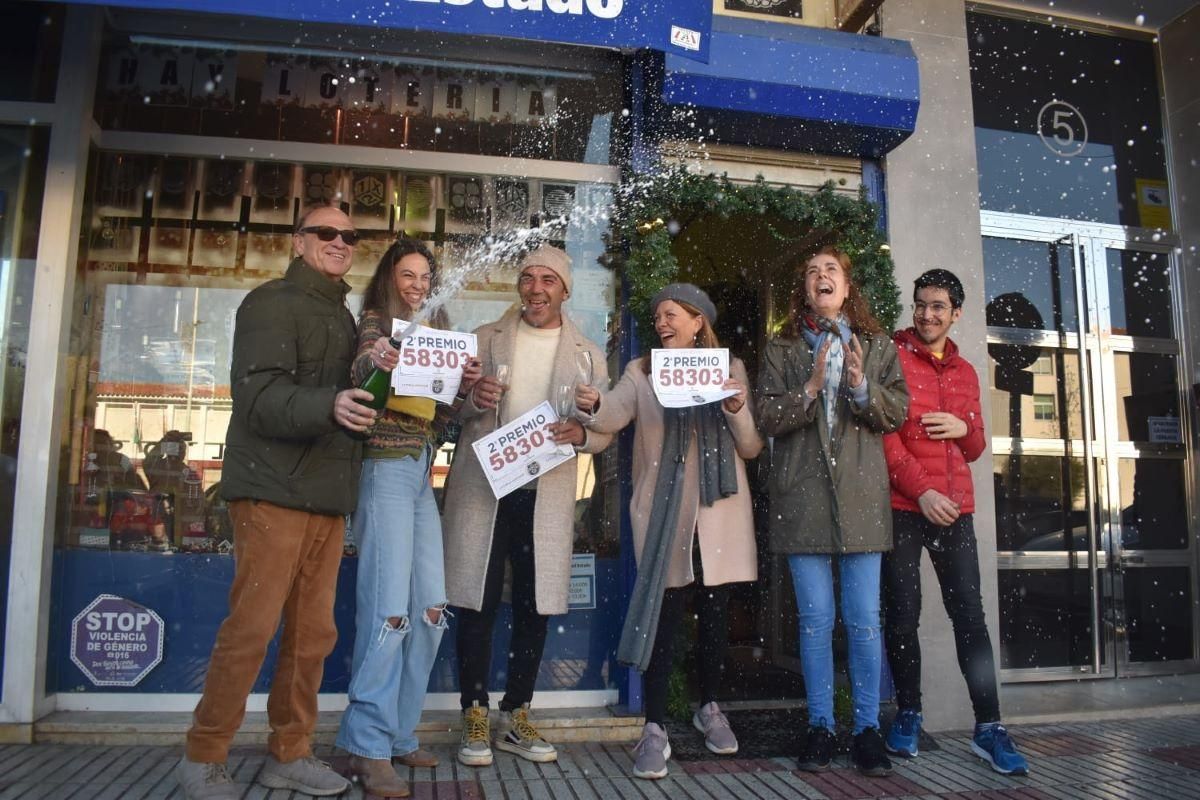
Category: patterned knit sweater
[395,434]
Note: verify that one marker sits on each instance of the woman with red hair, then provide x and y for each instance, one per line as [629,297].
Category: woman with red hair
[830,389]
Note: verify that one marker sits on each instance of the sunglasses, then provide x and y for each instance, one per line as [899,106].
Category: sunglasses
[327,233]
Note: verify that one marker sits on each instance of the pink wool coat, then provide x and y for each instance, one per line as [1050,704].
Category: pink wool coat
[726,528]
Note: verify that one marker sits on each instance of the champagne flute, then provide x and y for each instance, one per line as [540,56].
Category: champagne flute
[502,378]
[583,366]
[564,404]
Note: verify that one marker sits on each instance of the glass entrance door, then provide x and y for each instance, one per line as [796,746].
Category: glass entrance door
[1095,556]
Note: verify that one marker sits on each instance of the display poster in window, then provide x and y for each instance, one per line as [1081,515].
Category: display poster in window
[793,9]
[581,592]
[689,376]
[431,361]
[521,451]
[116,642]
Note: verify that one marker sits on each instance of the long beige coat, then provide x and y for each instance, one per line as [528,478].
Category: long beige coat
[726,528]
[470,511]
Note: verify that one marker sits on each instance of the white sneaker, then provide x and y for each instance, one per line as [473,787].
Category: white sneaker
[474,749]
[203,781]
[517,735]
[651,753]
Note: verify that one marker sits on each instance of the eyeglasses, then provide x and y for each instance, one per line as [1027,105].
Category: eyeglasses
[327,233]
[937,308]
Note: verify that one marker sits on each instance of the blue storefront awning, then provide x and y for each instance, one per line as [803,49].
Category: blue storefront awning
[680,27]
[838,92]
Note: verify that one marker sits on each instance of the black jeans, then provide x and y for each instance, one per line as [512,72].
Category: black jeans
[512,540]
[712,642]
[956,563]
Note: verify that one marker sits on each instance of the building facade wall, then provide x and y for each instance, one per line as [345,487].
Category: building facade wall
[1180,65]
[933,220]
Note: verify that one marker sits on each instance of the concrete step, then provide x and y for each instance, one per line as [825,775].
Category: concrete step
[436,727]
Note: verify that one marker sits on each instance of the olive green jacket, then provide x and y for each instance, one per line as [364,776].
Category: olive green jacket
[292,349]
[829,494]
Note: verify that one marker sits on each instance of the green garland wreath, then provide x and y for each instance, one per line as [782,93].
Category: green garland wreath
[661,209]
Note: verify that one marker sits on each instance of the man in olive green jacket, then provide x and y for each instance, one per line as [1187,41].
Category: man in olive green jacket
[290,476]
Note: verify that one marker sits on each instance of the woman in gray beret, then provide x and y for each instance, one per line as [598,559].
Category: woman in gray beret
[691,515]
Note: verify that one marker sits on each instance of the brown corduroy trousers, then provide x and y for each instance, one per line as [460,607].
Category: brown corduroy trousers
[286,565]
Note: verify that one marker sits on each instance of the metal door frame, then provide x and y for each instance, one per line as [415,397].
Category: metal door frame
[1099,447]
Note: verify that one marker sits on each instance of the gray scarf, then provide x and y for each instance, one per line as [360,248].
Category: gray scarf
[718,478]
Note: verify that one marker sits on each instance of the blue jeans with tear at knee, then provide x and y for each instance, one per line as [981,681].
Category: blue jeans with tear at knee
[812,578]
[400,576]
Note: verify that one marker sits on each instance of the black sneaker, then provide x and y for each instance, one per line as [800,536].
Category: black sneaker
[867,753]
[817,754]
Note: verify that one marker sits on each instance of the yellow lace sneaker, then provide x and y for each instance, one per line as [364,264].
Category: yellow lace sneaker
[473,748]
[517,735]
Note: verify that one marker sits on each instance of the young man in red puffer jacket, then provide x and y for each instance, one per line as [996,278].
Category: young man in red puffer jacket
[933,502]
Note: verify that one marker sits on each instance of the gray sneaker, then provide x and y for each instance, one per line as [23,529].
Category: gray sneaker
[309,775]
[517,735]
[201,781]
[474,748]
[651,753]
[718,736]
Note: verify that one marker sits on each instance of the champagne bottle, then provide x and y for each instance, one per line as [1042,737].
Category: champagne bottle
[379,384]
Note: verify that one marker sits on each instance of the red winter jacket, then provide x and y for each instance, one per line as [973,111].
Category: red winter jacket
[915,462]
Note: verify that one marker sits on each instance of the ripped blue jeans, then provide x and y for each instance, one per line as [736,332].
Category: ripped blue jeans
[401,576]
[812,579]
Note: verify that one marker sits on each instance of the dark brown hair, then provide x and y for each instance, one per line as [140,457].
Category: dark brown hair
[381,296]
[705,337]
[855,308]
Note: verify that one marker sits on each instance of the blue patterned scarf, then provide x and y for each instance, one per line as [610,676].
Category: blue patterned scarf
[816,330]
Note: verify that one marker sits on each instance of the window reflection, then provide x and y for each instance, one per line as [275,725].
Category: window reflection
[1043,402]
[1068,122]
[1153,504]
[1157,600]
[1139,292]
[1040,503]
[1147,386]
[1045,618]
[1029,285]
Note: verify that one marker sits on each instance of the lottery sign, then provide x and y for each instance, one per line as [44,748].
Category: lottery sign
[521,451]
[690,376]
[431,361]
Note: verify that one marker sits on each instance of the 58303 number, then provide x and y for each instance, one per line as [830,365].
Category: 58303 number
[691,376]
[437,359]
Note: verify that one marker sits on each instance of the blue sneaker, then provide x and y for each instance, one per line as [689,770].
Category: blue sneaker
[993,744]
[902,736]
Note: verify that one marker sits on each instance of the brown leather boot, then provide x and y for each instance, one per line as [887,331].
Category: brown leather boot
[378,777]
[421,759]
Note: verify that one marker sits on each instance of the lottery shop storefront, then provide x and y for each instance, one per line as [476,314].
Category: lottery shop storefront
[183,144]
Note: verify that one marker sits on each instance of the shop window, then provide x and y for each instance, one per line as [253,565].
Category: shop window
[1067,123]
[23,152]
[174,244]
[33,44]
[299,96]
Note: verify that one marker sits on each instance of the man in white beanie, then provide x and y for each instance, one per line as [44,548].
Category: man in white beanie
[531,528]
